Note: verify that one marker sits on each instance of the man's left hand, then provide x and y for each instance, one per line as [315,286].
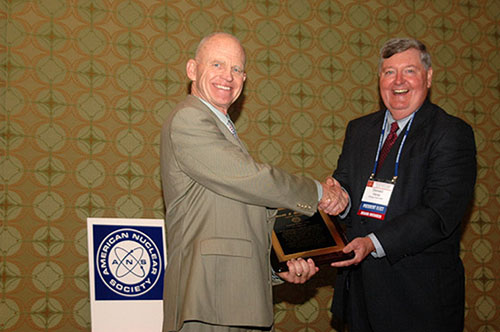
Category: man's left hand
[361,246]
[299,270]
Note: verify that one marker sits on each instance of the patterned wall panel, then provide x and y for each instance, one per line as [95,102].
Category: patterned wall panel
[86,85]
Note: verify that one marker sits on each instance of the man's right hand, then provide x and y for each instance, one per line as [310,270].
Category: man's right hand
[334,199]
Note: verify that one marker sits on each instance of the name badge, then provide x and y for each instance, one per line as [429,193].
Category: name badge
[376,199]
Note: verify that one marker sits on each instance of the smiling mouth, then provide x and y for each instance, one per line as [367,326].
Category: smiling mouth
[400,91]
[223,87]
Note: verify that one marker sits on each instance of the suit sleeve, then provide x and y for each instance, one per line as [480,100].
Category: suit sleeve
[444,195]
[341,173]
[206,155]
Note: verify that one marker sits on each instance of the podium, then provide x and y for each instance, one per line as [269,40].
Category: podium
[127,259]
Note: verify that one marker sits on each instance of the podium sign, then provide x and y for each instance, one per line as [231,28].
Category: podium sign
[127,259]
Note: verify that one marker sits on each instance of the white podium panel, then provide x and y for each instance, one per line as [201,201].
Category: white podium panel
[127,259]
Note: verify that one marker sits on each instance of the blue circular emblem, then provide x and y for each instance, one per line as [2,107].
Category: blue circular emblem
[128,262]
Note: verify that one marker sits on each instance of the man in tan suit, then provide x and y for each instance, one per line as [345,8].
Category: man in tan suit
[220,205]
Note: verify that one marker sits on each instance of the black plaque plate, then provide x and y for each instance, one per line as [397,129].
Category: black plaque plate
[297,235]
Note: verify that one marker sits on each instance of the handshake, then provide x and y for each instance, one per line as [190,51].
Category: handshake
[334,199]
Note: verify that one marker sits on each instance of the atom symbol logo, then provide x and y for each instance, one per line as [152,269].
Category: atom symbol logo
[129,262]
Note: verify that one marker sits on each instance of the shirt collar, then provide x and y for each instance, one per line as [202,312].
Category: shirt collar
[401,122]
[223,117]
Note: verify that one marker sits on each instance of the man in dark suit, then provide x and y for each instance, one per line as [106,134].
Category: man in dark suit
[406,211]
[220,205]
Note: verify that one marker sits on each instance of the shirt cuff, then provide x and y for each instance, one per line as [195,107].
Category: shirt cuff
[379,250]
[348,208]
[275,278]
[320,190]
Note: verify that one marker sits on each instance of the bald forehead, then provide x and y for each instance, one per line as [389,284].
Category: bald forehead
[216,38]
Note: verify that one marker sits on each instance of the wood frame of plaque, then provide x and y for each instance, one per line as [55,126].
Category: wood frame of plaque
[297,235]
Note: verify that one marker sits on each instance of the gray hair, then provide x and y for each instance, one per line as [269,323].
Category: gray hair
[398,45]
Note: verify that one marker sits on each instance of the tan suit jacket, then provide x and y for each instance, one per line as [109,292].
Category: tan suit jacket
[218,221]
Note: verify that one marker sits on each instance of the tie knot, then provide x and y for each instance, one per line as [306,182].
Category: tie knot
[394,127]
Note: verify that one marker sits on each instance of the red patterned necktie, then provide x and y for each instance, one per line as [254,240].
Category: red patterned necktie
[389,142]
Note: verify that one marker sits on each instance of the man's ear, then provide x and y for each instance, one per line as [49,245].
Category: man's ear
[191,69]
[429,77]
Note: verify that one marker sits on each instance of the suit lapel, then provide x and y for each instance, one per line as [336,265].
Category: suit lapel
[195,102]
[420,123]
[230,137]
[370,140]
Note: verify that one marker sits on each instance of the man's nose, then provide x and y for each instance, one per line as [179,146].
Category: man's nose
[227,74]
[399,77]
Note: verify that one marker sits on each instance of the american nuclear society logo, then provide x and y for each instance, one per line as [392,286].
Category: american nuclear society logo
[129,262]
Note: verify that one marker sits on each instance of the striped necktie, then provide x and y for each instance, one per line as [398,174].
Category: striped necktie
[231,127]
[389,142]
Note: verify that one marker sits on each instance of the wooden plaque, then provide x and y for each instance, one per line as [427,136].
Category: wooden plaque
[297,235]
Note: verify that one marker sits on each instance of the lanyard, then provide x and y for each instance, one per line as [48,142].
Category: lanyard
[384,127]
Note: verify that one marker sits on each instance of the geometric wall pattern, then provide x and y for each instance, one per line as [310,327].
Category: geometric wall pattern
[86,85]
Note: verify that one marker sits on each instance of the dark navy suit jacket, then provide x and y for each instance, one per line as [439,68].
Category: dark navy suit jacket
[419,285]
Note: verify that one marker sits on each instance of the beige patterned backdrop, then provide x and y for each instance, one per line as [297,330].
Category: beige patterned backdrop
[86,85]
